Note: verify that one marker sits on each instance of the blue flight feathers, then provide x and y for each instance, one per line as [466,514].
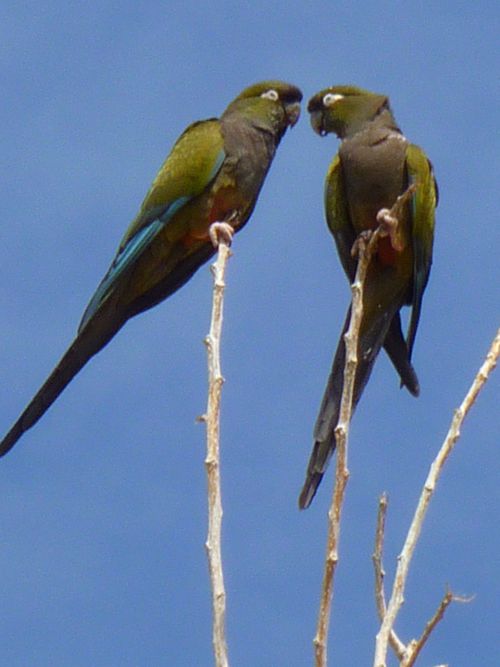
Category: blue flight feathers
[128,255]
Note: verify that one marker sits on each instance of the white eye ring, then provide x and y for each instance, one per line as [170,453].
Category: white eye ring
[330,98]
[271,94]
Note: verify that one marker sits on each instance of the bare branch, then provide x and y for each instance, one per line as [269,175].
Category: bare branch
[397,645]
[365,246]
[212,420]
[377,556]
[416,646]
[404,559]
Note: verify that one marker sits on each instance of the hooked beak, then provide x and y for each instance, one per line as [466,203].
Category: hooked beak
[317,122]
[292,113]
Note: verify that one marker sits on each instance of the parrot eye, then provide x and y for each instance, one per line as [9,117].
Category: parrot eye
[271,94]
[330,98]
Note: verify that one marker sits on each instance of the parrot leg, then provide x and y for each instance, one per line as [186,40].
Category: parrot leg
[221,232]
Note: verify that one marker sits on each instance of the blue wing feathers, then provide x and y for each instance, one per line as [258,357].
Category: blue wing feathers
[153,222]
[128,255]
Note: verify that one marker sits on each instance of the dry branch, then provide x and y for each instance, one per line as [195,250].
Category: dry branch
[404,559]
[212,420]
[364,247]
[398,646]
[416,646]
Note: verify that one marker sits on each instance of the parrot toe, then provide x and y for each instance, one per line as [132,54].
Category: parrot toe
[389,225]
[221,232]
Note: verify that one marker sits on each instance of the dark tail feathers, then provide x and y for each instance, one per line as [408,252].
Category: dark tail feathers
[92,338]
[386,329]
[397,350]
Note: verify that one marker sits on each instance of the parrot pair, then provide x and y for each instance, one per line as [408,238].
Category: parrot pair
[207,189]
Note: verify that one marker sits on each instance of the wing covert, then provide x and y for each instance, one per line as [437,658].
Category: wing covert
[337,216]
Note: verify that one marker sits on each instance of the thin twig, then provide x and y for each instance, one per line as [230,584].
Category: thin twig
[364,249]
[377,556]
[212,420]
[416,646]
[404,559]
[397,645]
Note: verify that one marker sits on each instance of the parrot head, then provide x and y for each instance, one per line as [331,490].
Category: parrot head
[270,100]
[344,109]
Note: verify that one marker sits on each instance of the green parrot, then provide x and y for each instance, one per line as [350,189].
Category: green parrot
[206,189]
[374,165]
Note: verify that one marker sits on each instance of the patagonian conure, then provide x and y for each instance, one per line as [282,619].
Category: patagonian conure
[374,165]
[213,174]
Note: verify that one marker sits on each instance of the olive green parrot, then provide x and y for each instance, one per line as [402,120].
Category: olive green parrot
[374,165]
[213,174]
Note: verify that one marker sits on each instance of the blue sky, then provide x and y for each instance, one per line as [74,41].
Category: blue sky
[103,503]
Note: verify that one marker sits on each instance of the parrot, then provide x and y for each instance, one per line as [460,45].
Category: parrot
[205,190]
[374,165]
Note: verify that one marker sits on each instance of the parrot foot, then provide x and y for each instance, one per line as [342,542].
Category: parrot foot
[389,219]
[221,232]
[389,226]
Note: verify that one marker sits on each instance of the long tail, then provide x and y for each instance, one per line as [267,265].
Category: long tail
[90,339]
[386,330]
[397,349]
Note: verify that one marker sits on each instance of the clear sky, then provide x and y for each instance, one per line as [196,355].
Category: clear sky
[103,503]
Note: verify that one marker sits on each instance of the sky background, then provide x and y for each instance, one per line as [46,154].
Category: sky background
[103,503]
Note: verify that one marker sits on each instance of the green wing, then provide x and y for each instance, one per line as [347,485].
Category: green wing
[337,216]
[423,205]
[194,162]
